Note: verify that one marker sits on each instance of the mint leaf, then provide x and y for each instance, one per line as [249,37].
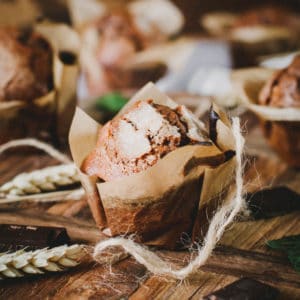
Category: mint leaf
[112,102]
[291,246]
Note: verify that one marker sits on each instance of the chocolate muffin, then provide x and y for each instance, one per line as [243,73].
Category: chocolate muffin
[283,91]
[138,138]
[25,65]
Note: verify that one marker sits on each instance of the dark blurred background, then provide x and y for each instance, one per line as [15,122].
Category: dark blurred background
[194,8]
[56,9]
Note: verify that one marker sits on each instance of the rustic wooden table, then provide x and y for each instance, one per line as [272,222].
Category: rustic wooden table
[241,252]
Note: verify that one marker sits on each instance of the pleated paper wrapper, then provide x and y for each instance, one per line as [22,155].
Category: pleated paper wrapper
[281,126]
[161,205]
[48,117]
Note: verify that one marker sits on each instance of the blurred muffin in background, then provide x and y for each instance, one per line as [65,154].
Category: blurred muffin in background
[112,40]
[257,32]
[113,34]
[282,90]
[25,65]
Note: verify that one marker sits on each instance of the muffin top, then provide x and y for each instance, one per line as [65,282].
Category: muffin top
[25,65]
[283,88]
[137,139]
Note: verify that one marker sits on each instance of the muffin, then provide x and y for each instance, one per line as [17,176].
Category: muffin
[154,168]
[154,129]
[38,75]
[282,90]
[109,43]
[25,65]
[257,32]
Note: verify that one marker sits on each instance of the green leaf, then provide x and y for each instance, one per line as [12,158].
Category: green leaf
[285,244]
[111,102]
[291,246]
[294,258]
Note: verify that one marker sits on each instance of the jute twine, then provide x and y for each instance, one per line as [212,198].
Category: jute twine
[222,218]
[36,144]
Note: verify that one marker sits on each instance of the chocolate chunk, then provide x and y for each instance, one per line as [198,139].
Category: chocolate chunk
[245,288]
[273,202]
[16,237]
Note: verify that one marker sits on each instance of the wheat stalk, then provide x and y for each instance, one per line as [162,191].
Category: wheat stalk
[44,180]
[21,263]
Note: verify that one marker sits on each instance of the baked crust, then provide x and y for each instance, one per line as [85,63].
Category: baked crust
[137,139]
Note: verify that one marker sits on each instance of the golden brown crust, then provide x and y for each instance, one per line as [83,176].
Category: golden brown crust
[25,65]
[110,160]
[283,88]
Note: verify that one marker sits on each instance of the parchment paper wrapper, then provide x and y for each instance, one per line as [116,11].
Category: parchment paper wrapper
[281,126]
[160,204]
[47,117]
[250,42]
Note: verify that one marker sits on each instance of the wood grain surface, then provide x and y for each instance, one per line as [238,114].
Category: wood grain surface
[241,252]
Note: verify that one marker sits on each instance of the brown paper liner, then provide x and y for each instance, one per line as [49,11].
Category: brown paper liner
[160,204]
[281,126]
[48,117]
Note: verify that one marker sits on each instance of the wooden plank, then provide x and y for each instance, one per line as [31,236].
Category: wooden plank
[79,231]
[243,251]
[160,288]
[89,281]
[266,267]
[226,265]
[100,282]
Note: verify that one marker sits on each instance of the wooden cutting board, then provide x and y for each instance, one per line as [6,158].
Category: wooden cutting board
[241,252]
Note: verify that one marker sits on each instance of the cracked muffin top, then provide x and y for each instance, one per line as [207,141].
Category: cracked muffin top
[138,138]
